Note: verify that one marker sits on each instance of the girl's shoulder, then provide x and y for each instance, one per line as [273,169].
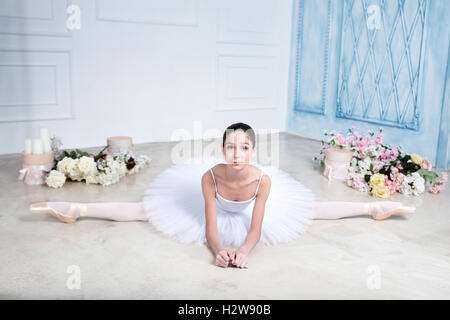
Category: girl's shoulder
[217,169]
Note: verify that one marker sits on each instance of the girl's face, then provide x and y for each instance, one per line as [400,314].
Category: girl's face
[238,149]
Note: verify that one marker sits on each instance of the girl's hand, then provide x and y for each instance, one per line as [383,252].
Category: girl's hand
[240,258]
[223,257]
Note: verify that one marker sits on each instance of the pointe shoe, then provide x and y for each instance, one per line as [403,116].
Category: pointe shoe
[75,210]
[377,211]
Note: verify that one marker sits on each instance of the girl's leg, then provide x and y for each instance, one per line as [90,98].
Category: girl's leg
[117,211]
[340,209]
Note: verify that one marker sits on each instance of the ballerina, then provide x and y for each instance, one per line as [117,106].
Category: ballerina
[228,202]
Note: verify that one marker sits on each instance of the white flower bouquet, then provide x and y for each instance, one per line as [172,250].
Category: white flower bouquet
[103,169]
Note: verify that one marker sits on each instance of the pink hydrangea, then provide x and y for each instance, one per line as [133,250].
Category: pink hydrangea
[391,155]
[426,164]
[439,186]
[444,178]
[377,168]
[356,181]
[391,186]
[341,139]
[394,151]
[396,177]
[435,188]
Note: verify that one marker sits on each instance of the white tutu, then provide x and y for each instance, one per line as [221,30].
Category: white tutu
[175,206]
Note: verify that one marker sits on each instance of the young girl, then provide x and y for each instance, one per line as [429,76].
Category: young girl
[228,202]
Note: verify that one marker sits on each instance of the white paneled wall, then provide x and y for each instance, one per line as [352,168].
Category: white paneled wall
[143,68]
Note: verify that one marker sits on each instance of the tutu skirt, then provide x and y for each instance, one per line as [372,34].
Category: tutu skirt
[175,206]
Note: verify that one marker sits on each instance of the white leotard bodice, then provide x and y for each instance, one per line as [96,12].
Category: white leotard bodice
[234,206]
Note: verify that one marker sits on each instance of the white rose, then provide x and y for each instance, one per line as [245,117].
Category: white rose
[413,184]
[64,165]
[107,179]
[91,179]
[55,179]
[419,182]
[73,170]
[87,166]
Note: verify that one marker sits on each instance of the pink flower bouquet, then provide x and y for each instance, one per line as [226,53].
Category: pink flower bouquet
[382,169]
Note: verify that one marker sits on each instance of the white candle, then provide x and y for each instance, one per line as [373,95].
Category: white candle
[46,144]
[28,146]
[43,134]
[37,146]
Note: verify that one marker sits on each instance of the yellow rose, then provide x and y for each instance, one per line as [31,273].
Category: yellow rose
[377,180]
[415,158]
[380,191]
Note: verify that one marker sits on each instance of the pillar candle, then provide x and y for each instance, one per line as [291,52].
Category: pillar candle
[43,134]
[28,146]
[37,146]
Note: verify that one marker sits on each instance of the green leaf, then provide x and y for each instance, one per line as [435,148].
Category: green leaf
[429,176]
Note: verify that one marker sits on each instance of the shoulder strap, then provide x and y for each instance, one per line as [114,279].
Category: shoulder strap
[213,179]
[259,182]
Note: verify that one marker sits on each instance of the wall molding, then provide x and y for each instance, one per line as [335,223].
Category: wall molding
[194,22]
[227,34]
[53,66]
[321,110]
[52,27]
[222,93]
[66,104]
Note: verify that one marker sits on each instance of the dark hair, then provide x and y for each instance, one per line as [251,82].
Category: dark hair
[240,126]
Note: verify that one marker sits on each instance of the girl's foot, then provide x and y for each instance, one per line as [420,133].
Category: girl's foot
[67,212]
[384,209]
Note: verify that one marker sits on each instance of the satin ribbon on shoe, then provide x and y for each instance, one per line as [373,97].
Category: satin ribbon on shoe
[33,174]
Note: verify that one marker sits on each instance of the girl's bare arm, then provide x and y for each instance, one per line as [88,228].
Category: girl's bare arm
[254,233]
[212,234]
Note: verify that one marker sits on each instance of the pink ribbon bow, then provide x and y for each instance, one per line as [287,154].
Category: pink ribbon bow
[33,174]
[335,169]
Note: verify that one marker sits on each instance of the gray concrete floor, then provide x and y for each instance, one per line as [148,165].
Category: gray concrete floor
[352,258]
